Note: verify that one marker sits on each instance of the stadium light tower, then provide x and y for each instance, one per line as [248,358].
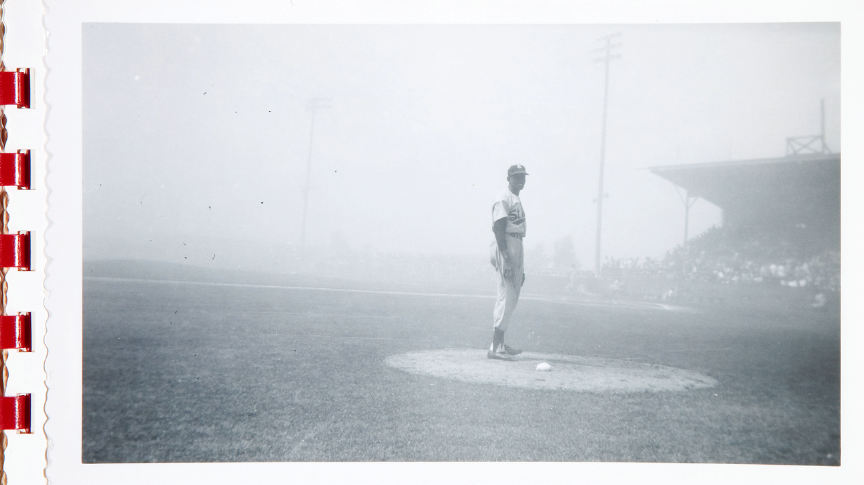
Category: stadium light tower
[606,50]
[313,106]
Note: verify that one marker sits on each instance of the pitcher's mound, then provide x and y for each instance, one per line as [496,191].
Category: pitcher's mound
[569,372]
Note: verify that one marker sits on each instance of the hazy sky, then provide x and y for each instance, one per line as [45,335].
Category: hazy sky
[196,136]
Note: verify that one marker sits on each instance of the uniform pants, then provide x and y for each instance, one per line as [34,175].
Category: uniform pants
[508,288]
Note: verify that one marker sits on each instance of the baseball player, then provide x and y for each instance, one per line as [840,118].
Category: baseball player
[508,225]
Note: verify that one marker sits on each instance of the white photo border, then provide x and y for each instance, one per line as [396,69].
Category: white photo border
[64,20]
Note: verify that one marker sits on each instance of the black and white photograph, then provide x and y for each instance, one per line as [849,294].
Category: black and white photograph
[479,242]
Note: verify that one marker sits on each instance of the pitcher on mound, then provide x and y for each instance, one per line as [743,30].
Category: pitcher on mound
[508,225]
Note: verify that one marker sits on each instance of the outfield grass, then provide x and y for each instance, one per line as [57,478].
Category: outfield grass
[177,372]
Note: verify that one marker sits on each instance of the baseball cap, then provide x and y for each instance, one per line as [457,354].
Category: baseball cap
[516,170]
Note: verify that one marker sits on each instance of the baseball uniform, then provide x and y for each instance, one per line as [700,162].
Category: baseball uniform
[508,206]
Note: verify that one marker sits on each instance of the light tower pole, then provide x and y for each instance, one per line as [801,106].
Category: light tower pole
[607,56]
[312,107]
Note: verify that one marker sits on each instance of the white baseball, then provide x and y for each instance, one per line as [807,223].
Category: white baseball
[544,366]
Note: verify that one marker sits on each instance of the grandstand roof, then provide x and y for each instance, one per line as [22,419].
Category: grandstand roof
[800,186]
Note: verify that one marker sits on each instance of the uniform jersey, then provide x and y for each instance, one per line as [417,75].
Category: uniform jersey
[510,207]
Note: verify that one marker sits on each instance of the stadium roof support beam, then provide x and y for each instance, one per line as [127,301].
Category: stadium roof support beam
[687,200]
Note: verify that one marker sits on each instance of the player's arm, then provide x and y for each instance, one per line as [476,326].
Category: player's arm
[500,213]
[499,228]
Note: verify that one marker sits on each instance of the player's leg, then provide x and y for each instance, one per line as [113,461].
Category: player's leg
[514,288]
[499,316]
[505,304]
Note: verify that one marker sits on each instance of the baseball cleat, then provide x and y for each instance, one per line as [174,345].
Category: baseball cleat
[506,349]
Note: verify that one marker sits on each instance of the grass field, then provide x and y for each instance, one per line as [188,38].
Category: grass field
[180,372]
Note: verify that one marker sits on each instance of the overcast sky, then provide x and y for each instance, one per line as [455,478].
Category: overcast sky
[197,136]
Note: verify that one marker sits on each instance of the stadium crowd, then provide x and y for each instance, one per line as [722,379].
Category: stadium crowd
[788,258]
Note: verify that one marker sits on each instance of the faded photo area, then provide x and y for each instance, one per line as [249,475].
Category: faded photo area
[288,233]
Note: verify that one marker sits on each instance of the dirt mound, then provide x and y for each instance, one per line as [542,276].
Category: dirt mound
[569,372]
